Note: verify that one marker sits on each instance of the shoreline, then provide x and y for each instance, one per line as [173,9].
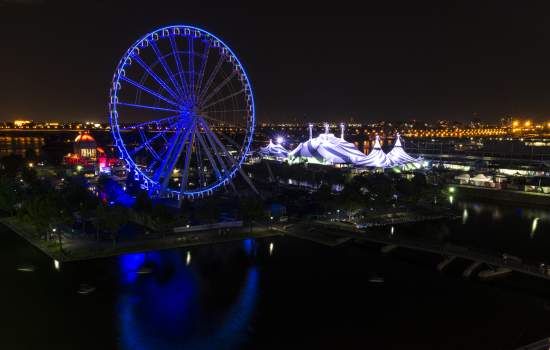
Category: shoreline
[509,196]
[78,249]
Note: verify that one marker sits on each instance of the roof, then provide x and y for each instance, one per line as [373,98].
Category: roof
[398,156]
[376,157]
[85,137]
[274,150]
[327,148]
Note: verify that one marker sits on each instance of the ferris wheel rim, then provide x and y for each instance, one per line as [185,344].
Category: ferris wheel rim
[115,125]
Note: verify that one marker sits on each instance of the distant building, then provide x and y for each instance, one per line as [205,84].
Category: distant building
[85,146]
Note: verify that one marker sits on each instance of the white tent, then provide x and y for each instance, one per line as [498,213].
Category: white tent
[274,150]
[481,178]
[376,158]
[398,156]
[327,149]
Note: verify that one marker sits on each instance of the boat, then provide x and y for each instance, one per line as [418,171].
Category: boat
[144,270]
[498,272]
[374,278]
[26,268]
[86,289]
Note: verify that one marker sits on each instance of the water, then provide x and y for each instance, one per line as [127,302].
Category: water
[282,293]
[19,144]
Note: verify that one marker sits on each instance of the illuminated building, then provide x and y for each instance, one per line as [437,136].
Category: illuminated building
[85,146]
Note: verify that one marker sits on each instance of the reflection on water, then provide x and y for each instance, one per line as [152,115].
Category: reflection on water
[534,226]
[271,247]
[164,310]
[502,228]
[188,258]
[20,144]
[464,216]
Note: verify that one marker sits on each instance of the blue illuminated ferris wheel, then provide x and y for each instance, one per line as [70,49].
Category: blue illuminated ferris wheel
[181,112]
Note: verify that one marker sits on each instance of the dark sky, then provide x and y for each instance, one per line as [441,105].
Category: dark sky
[389,61]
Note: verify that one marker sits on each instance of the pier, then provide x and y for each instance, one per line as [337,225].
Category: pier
[448,251]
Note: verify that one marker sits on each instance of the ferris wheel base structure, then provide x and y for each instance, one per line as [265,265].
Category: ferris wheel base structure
[182,113]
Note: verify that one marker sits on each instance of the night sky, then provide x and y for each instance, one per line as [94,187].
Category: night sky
[385,62]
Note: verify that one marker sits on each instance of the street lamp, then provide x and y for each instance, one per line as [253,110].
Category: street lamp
[338,211]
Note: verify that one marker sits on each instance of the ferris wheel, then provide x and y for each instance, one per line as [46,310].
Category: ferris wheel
[181,112]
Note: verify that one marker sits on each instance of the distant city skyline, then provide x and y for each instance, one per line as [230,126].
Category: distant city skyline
[398,62]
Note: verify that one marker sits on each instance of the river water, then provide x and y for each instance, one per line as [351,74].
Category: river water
[284,293]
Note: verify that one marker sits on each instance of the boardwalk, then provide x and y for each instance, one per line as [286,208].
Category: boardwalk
[445,249]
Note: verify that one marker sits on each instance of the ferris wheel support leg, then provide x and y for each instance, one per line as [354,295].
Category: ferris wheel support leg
[249,182]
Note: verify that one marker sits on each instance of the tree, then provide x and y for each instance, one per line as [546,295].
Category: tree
[110,219]
[11,165]
[9,194]
[163,218]
[143,204]
[251,210]
[42,211]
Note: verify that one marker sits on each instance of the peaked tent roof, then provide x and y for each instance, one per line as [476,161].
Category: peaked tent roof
[398,156]
[274,150]
[327,148]
[376,157]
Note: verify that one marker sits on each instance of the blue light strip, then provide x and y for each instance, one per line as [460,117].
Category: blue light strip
[185,175]
[148,107]
[179,67]
[137,149]
[219,87]
[211,78]
[149,91]
[209,155]
[224,99]
[175,156]
[114,117]
[155,76]
[202,68]
[191,59]
[157,121]
[167,69]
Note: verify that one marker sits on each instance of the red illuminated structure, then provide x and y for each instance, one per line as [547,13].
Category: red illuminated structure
[87,154]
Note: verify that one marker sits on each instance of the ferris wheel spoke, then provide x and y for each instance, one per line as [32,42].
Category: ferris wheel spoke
[208,154]
[149,91]
[148,107]
[211,78]
[191,60]
[198,153]
[146,143]
[188,154]
[222,148]
[155,76]
[166,68]
[172,144]
[225,123]
[216,153]
[156,121]
[230,140]
[173,157]
[179,66]
[219,87]
[202,68]
[224,98]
